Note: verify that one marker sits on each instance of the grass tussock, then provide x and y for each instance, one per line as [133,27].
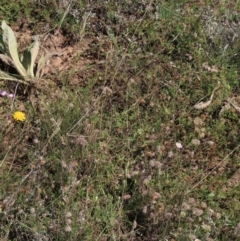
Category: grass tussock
[112,146]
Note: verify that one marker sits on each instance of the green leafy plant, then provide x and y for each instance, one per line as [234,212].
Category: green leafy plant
[24,64]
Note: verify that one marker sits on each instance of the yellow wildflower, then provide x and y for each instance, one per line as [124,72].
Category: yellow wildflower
[19,116]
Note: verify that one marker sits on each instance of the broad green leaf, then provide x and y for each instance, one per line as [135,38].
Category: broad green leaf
[6,76]
[34,52]
[41,64]
[7,60]
[29,56]
[25,59]
[2,45]
[11,43]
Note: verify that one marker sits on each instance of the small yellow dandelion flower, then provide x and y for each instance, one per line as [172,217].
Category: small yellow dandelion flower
[19,116]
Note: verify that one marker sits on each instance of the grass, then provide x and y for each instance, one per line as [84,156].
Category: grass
[97,157]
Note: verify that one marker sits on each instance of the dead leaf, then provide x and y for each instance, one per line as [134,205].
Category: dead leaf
[203,105]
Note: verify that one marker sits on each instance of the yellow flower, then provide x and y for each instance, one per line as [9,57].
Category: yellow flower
[19,116]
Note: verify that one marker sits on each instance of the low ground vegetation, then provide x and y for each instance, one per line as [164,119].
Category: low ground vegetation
[132,132]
